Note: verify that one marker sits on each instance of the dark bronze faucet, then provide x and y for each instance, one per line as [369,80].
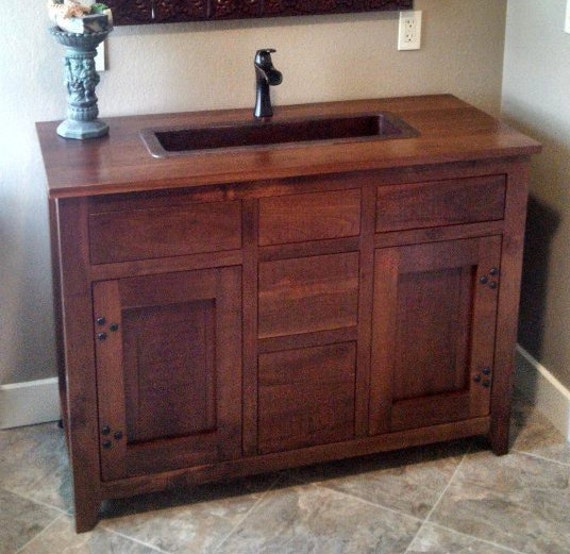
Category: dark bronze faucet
[265,76]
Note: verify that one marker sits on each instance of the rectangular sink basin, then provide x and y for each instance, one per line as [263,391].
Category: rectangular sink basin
[163,142]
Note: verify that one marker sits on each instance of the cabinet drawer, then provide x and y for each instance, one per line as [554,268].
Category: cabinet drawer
[135,231]
[452,202]
[303,295]
[311,216]
[306,397]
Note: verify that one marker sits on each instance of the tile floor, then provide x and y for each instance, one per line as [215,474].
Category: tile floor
[452,498]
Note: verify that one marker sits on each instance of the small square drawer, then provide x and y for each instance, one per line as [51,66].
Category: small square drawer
[305,295]
[133,230]
[441,203]
[309,216]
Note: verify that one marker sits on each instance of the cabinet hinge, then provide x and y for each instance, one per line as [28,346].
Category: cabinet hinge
[483,377]
[101,322]
[491,279]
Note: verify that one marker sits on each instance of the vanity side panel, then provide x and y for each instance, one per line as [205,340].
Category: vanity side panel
[56,267]
[509,294]
[80,418]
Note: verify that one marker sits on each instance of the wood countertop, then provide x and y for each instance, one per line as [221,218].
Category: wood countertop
[450,130]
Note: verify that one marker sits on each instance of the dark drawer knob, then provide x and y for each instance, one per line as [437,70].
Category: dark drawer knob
[101,336]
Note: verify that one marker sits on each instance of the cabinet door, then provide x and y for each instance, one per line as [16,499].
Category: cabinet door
[434,318]
[168,370]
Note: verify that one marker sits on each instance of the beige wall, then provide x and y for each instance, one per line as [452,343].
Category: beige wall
[536,98]
[192,67]
[199,66]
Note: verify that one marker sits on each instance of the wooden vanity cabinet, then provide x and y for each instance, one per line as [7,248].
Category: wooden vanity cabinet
[214,330]
[319,318]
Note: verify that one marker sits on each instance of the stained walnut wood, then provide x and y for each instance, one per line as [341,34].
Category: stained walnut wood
[133,12]
[118,235]
[238,312]
[170,375]
[306,396]
[434,330]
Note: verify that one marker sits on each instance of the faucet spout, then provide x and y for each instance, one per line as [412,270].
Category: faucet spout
[265,76]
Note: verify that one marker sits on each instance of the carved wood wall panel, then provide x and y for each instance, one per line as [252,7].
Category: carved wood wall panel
[179,10]
[235,9]
[137,12]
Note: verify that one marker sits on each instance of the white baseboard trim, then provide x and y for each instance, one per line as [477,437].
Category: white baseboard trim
[29,403]
[548,394]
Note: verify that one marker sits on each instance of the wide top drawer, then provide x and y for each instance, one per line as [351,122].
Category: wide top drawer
[136,230]
[440,203]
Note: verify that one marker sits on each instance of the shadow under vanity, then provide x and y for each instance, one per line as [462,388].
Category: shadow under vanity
[239,310]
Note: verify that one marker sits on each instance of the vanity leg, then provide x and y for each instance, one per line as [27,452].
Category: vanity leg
[86,514]
[499,434]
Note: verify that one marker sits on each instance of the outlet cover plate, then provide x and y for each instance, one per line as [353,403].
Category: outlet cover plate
[410,30]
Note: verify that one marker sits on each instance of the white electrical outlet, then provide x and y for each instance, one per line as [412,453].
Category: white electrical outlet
[100,58]
[410,31]
[567,18]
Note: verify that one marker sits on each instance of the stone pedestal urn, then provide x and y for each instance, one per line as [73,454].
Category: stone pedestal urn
[81,80]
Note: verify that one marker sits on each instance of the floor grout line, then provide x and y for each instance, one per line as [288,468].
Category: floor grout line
[425,521]
[272,486]
[538,456]
[135,540]
[467,535]
[316,485]
[367,502]
[62,511]
[44,530]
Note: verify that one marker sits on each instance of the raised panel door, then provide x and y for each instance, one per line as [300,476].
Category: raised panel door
[434,318]
[168,370]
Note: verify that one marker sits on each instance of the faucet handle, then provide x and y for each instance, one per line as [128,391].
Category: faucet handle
[264,55]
